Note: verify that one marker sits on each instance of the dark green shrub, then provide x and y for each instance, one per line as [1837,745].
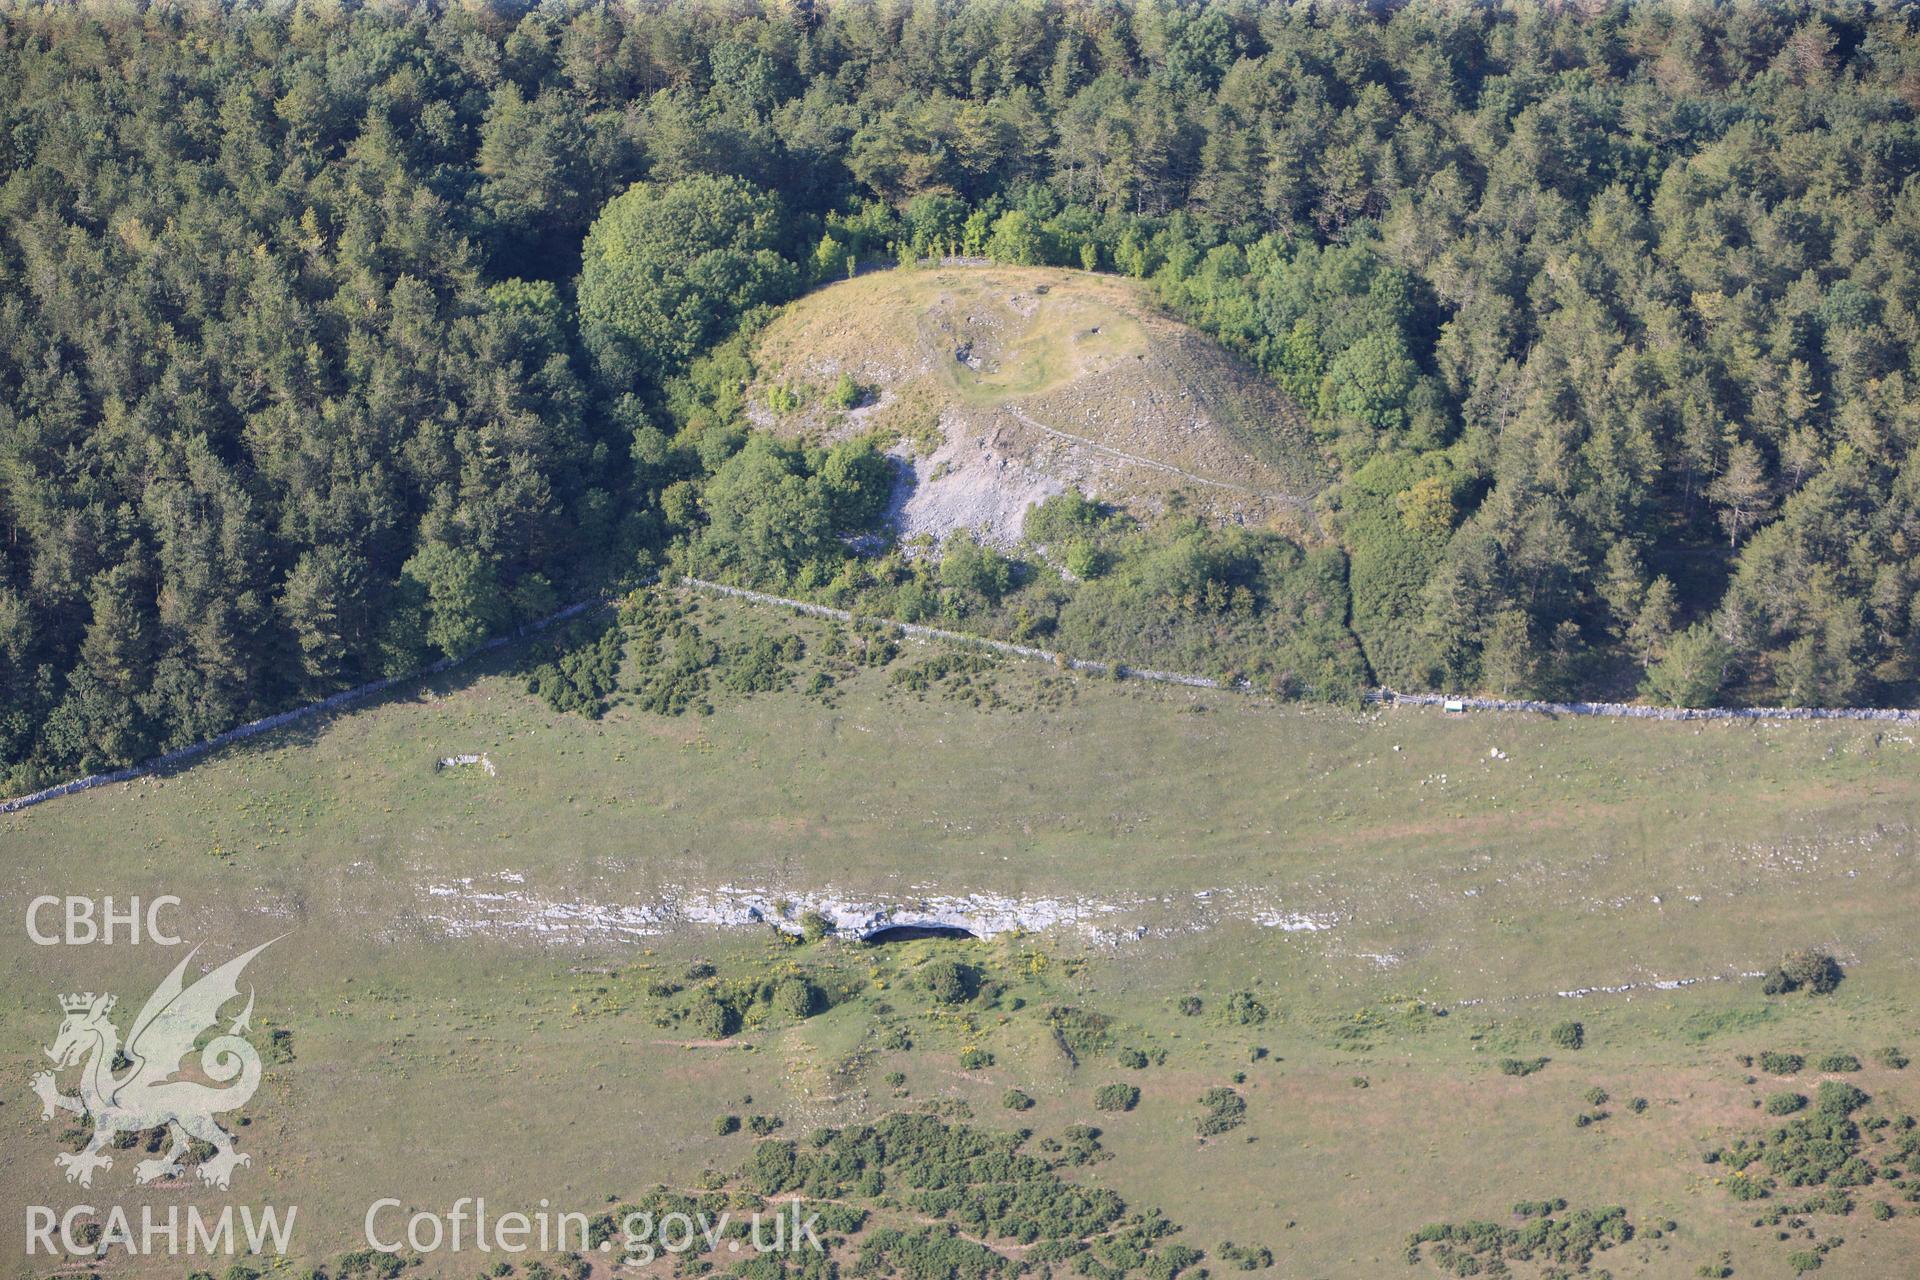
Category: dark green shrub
[1084,560]
[846,392]
[1521,1066]
[1190,1005]
[1115,1097]
[1243,1008]
[1596,1096]
[949,981]
[1880,1211]
[1133,1058]
[796,997]
[967,566]
[1785,1104]
[759,663]
[1837,1062]
[1538,1208]
[1813,971]
[975,1060]
[1838,1098]
[1223,1109]
[1251,1257]
[1781,1064]
[1569,1035]
[1015,1100]
[1890,1057]
[712,1020]
[724,1125]
[1080,1033]
[1569,1243]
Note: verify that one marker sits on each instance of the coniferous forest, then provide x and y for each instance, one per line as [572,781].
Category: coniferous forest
[335,338]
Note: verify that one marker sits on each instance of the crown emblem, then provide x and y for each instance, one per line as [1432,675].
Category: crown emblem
[82,1003]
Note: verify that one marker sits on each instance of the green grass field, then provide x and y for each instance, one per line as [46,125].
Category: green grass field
[1404,893]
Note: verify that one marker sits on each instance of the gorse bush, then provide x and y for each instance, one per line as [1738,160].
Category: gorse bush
[586,672]
[718,1008]
[1080,1033]
[971,1185]
[1221,1109]
[1245,1257]
[711,1019]
[949,981]
[1244,1008]
[1834,1146]
[1815,972]
[1569,1242]
[796,997]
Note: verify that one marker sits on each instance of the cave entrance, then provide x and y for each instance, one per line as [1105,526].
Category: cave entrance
[914,932]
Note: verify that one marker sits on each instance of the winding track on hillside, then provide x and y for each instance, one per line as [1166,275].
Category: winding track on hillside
[1026,419]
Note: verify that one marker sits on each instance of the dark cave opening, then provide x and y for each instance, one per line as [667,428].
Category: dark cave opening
[914,932]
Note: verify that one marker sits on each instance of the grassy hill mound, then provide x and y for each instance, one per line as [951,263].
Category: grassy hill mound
[1006,385]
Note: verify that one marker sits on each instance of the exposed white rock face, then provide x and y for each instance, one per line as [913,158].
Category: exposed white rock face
[981,914]
[467,907]
[1295,921]
[502,904]
[463,909]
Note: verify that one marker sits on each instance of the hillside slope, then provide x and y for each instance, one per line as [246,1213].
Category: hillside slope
[1411,900]
[1006,385]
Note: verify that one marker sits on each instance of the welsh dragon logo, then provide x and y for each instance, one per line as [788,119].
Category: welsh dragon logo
[160,1078]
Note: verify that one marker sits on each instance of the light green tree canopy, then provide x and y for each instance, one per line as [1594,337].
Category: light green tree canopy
[668,268]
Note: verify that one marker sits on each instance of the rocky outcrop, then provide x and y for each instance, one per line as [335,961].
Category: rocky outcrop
[503,905]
